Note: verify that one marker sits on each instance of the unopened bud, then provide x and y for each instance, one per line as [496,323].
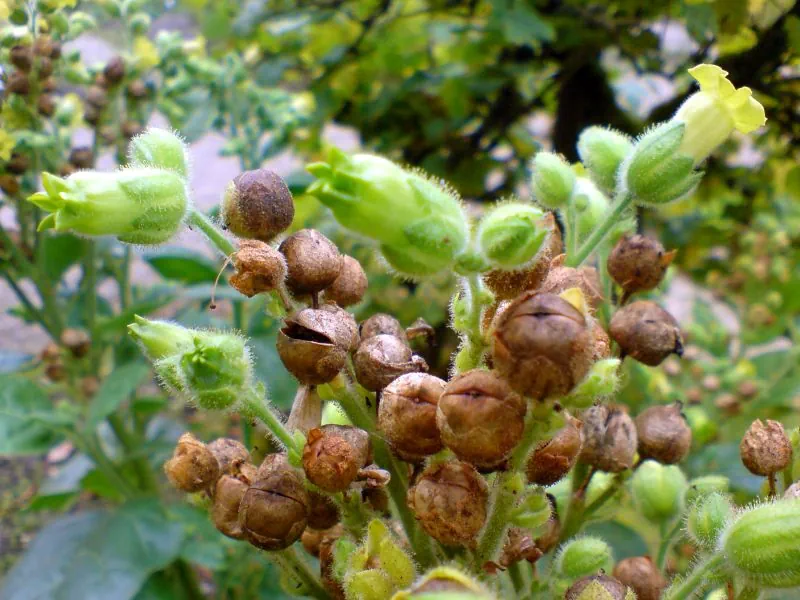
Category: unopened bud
[407,415]
[700,487]
[552,459]
[599,587]
[162,149]
[192,467]
[274,510]
[646,332]
[663,434]
[217,371]
[707,518]
[381,359]
[659,491]
[765,448]
[609,439]
[552,180]
[160,339]
[602,152]
[638,263]
[510,235]
[333,455]
[259,268]
[583,556]
[380,555]
[350,286]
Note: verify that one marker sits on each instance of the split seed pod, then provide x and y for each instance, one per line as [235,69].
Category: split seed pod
[259,268]
[638,263]
[313,261]
[333,455]
[381,359]
[257,205]
[192,467]
[646,332]
[609,439]
[765,448]
[274,510]
[552,459]
[230,454]
[560,279]
[663,434]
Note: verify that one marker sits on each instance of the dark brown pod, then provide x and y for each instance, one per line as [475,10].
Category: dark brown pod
[97,97]
[45,46]
[131,129]
[92,115]
[542,345]
[114,71]
[46,105]
[608,438]
[663,433]
[333,454]
[407,415]
[450,501]
[259,268]
[49,85]
[313,260]
[382,324]
[603,586]
[765,448]
[228,495]
[350,286]
[192,467]
[638,263]
[646,332]
[230,454]
[274,510]
[77,341]
[560,278]
[641,574]
[312,539]
[480,418]
[552,459]
[21,57]
[18,163]
[381,359]
[18,83]
[258,205]
[322,512]
[44,68]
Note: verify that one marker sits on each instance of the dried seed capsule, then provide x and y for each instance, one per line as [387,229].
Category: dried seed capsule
[608,438]
[519,546]
[97,97]
[322,512]
[18,83]
[46,105]
[44,68]
[351,284]
[641,575]
[450,501]
[638,263]
[21,56]
[313,539]
[663,434]
[77,341]
[599,587]
[258,205]
[45,46]
[542,345]
[313,345]
[259,268]
[407,415]
[192,467]
[646,332]
[18,163]
[552,459]
[9,184]
[560,279]
[313,260]
[131,129]
[382,324]
[381,359]
[765,448]
[137,89]
[274,510]
[480,418]
[92,115]
[114,71]
[228,495]
[333,455]
[230,454]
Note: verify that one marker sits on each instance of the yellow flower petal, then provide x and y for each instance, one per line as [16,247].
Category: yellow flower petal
[745,111]
[749,115]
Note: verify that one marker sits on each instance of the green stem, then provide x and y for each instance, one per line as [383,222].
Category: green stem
[696,581]
[600,232]
[255,405]
[607,494]
[666,543]
[215,236]
[576,509]
[572,228]
[471,353]
[90,445]
[515,573]
[147,480]
[298,569]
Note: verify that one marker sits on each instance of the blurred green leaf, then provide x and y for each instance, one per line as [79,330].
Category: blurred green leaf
[60,252]
[25,413]
[115,389]
[185,266]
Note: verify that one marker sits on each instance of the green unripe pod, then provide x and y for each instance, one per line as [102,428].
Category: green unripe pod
[139,23]
[602,152]
[552,180]
[659,491]
[161,149]
[583,556]
[762,546]
[600,383]
[159,339]
[217,370]
[707,518]
[511,235]
[707,484]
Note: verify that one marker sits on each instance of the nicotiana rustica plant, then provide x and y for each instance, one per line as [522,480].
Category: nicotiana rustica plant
[402,484]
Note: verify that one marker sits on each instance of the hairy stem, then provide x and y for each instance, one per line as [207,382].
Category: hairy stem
[255,405]
[214,235]
[600,232]
[665,544]
[474,344]
[147,480]
[296,568]
[696,581]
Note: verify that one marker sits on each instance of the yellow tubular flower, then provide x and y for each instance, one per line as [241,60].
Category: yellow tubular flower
[712,114]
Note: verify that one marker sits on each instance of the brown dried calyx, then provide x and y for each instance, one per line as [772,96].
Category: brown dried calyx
[382,324]
[519,546]
[552,459]
[313,261]
[646,332]
[381,359]
[351,284]
[231,455]
[480,418]
[542,345]
[608,438]
[663,433]
[765,448]
[313,345]
[259,268]
[450,501]
[641,574]
[407,415]
[257,205]
[601,587]
[638,263]
[228,495]
[560,278]
[192,467]
[77,341]
[274,510]
[334,454]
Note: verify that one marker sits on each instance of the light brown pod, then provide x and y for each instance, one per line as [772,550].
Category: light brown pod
[663,434]
[608,438]
[552,459]
[77,341]
[18,83]
[333,454]
[638,263]
[312,539]
[21,56]
[230,454]
[382,324]
[560,278]
[381,359]
[81,157]
[641,574]
[274,510]
[313,261]
[646,332]
[228,495]
[350,286]
[257,205]
[480,418]
[765,448]
[192,467]
[259,268]
[407,415]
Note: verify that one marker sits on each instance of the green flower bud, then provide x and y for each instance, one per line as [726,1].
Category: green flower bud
[761,544]
[511,234]
[80,22]
[159,339]
[659,491]
[379,565]
[583,556]
[161,149]
[445,583]
[429,228]
[552,180]
[707,484]
[656,172]
[602,152]
[139,23]
[591,205]
[138,206]
[707,517]
[600,383]
[370,584]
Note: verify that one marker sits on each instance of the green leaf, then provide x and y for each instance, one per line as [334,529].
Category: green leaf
[520,23]
[97,555]
[180,264]
[25,413]
[61,252]
[116,388]
[58,491]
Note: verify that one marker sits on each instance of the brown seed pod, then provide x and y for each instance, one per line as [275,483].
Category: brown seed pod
[351,284]
[519,545]
[506,285]
[333,455]
[480,418]
[382,324]
[608,438]
[18,163]
[56,371]
[47,47]
[552,459]
[9,184]
[747,389]
[21,56]
[46,105]
[258,205]
[638,263]
[77,341]
[646,332]
[277,461]
[663,434]
[259,268]
[228,495]
[18,83]
[450,501]
[230,454]
[114,71]
[192,467]
[49,85]
[542,345]
[137,89]
[274,510]
[96,97]
[407,415]
[381,359]
[92,115]
[44,68]
[312,539]
[599,586]
[560,278]
[322,512]
[642,575]
[765,448]
[313,260]
[131,129]
[89,386]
